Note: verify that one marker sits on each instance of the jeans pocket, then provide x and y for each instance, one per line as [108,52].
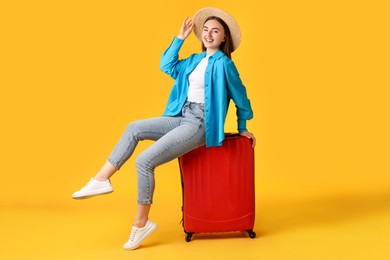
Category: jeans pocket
[197,110]
[184,109]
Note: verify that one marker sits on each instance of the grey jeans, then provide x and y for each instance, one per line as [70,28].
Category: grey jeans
[174,137]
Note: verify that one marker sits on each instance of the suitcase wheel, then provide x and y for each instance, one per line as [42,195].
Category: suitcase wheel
[251,233]
[189,236]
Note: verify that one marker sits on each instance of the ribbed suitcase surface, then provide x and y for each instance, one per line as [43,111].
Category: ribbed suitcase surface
[218,188]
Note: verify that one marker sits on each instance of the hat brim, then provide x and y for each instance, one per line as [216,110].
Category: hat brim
[201,16]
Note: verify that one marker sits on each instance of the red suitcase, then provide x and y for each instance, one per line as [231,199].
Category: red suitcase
[219,188]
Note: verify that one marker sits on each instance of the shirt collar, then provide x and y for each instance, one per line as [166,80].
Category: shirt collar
[218,54]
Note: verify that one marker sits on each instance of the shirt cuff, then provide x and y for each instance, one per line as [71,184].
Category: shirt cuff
[242,125]
[176,39]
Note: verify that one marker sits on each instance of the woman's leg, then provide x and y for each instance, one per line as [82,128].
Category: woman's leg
[148,129]
[105,172]
[189,135]
[142,215]
[175,143]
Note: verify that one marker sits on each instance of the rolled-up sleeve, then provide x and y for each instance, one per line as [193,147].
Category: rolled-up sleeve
[169,62]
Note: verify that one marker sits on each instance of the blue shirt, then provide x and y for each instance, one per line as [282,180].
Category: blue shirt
[221,84]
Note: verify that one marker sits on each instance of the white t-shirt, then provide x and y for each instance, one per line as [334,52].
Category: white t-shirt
[196,81]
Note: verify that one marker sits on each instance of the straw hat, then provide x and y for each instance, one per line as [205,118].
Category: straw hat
[201,16]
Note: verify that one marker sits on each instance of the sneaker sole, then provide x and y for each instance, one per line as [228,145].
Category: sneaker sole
[142,239]
[91,195]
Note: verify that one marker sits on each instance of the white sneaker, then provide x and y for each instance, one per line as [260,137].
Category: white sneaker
[139,234]
[93,188]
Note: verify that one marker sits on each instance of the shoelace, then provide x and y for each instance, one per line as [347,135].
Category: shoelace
[133,233]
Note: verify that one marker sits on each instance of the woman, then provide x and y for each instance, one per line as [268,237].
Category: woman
[194,116]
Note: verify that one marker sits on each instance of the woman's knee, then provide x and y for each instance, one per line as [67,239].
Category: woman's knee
[133,129]
[144,164]
[131,126]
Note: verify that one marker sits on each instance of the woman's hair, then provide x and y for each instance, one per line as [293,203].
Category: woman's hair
[227,46]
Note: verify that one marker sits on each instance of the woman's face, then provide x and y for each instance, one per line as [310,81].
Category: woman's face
[213,35]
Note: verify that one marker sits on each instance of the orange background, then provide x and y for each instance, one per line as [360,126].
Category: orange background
[75,73]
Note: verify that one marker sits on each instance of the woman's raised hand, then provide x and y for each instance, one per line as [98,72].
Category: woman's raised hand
[186,28]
